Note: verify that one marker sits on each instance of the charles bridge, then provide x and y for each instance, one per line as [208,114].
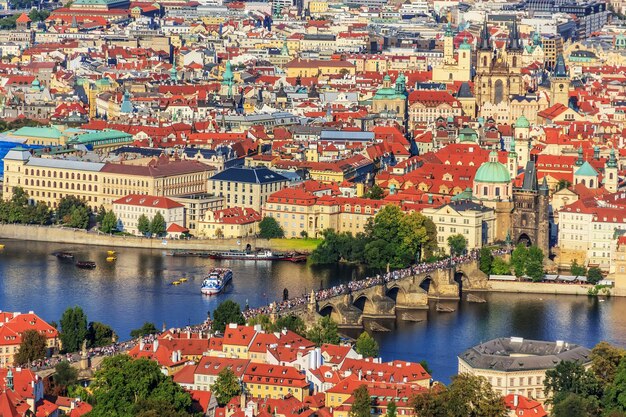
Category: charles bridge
[405,297]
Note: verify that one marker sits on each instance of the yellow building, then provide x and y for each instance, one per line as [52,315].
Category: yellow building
[318,7]
[229,223]
[246,187]
[314,67]
[50,179]
[275,381]
[454,68]
[299,212]
[475,222]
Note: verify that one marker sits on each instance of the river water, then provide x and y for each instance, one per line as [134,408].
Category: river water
[137,288]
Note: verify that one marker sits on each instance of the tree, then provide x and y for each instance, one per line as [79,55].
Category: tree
[101,213]
[100,334]
[570,377]
[38,15]
[123,382]
[157,226]
[41,214]
[290,322]
[467,396]
[424,364]
[519,257]
[73,329]
[391,409]
[500,267]
[324,331]
[573,405]
[563,184]
[605,358]
[109,222]
[457,244]
[534,270]
[79,218]
[304,234]
[33,347]
[577,270]
[73,212]
[143,225]
[362,403]
[375,193]
[367,346]
[225,313]
[145,330]
[269,228]
[226,386]
[397,239]
[594,275]
[485,260]
[156,408]
[64,376]
[262,320]
[471,395]
[615,392]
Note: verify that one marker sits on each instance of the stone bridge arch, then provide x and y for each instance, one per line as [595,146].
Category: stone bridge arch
[365,304]
[397,293]
[428,283]
[330,309]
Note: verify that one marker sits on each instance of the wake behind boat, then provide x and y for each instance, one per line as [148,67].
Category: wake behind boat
[216,281]
[260,255]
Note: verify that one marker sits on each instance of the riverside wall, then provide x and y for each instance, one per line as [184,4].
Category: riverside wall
[82,237]
[537,288]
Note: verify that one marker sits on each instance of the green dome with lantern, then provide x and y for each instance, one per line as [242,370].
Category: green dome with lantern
[493,172]
[522,122]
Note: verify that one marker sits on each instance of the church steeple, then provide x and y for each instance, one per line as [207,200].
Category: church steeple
[560,70]
[514,43]
[485,43]
[580,160]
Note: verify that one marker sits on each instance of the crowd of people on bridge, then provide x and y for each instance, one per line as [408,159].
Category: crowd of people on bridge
[324,294]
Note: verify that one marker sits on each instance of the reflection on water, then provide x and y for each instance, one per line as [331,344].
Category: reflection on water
[136,288]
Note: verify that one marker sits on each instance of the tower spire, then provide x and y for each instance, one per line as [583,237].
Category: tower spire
[485,37]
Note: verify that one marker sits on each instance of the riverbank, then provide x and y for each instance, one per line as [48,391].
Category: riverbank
[536,288]
[77,236]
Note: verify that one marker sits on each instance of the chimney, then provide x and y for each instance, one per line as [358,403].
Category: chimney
[155,345]
[142,344]
[515,400]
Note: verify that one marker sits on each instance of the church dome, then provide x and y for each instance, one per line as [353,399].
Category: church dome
[522,122]
[492,172]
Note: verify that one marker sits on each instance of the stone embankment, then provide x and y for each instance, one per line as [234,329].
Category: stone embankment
[82,237]
[535,288]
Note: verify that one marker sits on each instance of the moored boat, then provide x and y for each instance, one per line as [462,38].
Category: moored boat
[260,255]
[64,255]
[216,281]
[86,264]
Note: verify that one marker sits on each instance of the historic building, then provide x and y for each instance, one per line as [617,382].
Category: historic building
[559,83]
[454,68]
[530,219]
[518,366]
[391,102]
[498,72]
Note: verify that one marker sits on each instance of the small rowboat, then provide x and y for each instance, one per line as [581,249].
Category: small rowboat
[175,282]
[86,264]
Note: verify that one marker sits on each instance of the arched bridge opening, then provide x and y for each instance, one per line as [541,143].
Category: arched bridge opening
[331,311]
[364,304]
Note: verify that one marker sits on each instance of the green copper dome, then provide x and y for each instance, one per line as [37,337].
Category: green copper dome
[493,172]
[522,122]
[465,45]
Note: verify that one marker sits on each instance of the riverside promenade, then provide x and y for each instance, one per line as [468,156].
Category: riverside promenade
[83,237]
